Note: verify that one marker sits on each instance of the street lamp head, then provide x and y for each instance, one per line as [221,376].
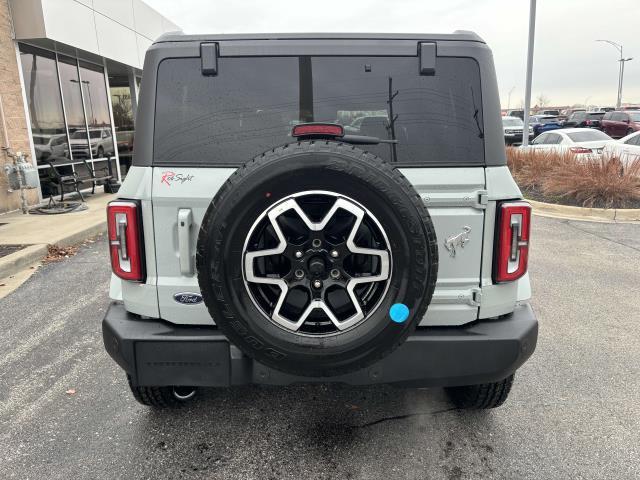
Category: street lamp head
[613,44]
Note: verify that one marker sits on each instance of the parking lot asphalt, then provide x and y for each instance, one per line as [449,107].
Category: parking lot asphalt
[574,411]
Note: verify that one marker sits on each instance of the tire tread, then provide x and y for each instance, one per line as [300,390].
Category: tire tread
[156,397]
[482,396]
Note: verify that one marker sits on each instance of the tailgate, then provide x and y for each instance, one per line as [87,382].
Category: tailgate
[457,200]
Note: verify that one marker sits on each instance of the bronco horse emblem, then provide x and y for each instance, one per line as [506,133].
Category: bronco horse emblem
[459,240]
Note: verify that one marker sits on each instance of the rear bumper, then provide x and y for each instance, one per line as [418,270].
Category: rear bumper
[155,353]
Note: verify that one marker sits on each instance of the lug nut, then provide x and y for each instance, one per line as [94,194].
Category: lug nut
[334,253]
[298,254]
[335,273]
[299,273]
[316,242]
[317,284]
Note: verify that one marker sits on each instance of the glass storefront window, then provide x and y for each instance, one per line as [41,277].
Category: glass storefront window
[96,105]
[122,119]
[45,104]
[70,115]
[70,83]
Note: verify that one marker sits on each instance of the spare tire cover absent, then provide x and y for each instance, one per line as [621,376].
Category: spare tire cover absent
[317,258]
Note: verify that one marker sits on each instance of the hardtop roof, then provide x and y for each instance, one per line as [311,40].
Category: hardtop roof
[458,35]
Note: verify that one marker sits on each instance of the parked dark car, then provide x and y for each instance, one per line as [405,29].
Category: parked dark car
[584,119]
[544,123]
[619,124]
[564,114]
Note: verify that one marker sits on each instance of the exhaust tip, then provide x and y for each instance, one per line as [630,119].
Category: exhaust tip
[184,393]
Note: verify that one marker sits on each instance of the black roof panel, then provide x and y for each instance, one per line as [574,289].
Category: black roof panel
[458,35]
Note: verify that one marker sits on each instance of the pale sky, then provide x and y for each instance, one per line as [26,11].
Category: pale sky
[569,65]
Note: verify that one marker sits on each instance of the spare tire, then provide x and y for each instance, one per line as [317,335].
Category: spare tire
[317,258]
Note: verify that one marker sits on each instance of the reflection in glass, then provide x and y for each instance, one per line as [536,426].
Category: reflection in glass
[96,104]
[122,118]
[45,104]
[429,119]
[72,97]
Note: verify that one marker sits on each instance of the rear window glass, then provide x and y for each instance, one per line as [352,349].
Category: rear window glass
[253,103]
[588,136]
[596,115]
[512,122]
[545,120]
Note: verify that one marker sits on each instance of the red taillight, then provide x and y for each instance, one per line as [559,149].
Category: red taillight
[512,250]
[125,239]
[579,150]
[317,130]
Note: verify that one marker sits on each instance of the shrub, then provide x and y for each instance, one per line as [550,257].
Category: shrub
[530,168]
[596,182]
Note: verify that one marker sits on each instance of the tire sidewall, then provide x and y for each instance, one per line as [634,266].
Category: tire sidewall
[306,167]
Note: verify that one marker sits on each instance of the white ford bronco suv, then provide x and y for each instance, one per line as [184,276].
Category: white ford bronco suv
[319,208]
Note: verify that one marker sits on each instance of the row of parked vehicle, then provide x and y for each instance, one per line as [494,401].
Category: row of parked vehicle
[586,134]
[615,123]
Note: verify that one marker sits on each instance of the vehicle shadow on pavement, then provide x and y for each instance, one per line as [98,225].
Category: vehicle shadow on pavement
[274,432]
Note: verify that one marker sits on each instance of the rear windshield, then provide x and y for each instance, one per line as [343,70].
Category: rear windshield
[596,115]
[512,122]
[254,102]
[588,136]
[545,120]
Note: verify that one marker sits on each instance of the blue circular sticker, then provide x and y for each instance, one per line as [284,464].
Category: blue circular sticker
[399,312]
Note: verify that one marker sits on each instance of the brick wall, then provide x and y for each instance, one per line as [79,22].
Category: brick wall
[11,93]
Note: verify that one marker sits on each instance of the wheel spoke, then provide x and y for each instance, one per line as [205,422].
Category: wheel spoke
[383,255]
[384,269]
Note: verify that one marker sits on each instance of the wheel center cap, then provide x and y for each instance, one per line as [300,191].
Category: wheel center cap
[317,267]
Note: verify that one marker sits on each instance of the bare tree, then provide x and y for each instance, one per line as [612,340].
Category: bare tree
[542,100]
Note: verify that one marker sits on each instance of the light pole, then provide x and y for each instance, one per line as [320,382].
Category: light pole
[509,97]
[622,61]
[527,91]
[87,82]
[585,103]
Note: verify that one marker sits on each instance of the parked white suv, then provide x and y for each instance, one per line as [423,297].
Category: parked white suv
[513,128]
[101,143]
[257,240]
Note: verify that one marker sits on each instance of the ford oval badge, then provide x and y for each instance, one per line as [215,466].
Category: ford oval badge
[188,298]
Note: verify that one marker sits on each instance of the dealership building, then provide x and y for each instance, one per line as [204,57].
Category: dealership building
[69,77]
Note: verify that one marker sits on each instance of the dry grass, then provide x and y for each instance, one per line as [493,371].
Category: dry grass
[600,182]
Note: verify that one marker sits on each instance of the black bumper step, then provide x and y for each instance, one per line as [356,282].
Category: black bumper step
[157,353]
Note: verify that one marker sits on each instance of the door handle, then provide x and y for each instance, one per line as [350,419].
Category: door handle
[185,220]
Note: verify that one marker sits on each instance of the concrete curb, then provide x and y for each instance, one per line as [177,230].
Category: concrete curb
[16,261]
[81,235]
[606,215]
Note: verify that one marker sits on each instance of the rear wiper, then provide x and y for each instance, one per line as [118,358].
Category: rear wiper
[364,140]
